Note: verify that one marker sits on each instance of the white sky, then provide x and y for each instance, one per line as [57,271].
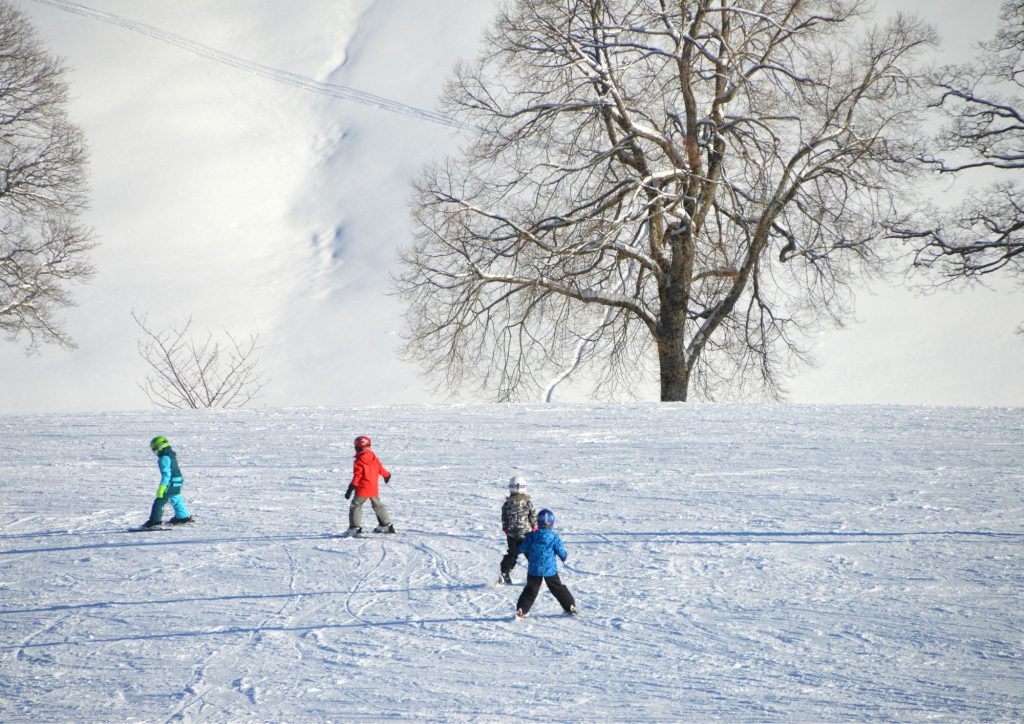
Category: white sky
[250,204]
[941,348]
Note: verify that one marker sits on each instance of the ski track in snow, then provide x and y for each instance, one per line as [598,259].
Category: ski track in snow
[730,562]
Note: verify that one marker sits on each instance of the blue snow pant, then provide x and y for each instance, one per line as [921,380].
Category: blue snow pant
[173,494]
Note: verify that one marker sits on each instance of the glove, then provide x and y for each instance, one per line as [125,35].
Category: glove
[387,478]
[160,491]
[348,493]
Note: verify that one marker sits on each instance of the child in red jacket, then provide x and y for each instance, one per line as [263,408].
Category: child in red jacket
[366,471]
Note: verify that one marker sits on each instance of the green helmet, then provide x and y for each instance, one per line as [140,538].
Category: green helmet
[158,443]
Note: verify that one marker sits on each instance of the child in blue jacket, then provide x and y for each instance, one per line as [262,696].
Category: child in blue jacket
[540,548]
[169,488]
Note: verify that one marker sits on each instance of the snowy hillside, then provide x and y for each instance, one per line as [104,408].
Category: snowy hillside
[731,562]
[224,193]
[228,187]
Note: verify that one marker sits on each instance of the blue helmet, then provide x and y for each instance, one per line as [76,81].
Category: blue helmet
[545,518]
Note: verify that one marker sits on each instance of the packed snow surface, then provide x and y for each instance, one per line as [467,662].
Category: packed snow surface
[730,562]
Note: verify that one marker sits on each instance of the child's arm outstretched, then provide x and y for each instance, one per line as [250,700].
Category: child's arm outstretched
[560,549]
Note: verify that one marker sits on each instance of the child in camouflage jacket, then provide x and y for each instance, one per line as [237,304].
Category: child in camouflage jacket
[518,518]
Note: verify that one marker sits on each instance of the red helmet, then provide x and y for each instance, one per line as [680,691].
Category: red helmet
[362,442]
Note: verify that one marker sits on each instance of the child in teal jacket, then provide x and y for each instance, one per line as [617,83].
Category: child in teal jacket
[169,489]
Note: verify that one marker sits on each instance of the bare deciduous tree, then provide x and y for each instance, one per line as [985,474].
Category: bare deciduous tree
[696,181]
[43,245]
[984,107]
[190,374]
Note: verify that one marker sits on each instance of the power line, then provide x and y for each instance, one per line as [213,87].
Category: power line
[281,76]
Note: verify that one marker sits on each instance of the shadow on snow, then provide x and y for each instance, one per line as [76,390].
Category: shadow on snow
[249,630]
[582,538]
[239,597]
[825,537]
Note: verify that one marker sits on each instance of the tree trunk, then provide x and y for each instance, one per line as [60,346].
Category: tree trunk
[674,366]
[675,375]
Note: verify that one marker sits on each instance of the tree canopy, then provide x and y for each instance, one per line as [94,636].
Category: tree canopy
[43,242]
[690,185]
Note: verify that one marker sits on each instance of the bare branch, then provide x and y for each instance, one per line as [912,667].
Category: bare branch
[43,245]
[189,374]
[983,105]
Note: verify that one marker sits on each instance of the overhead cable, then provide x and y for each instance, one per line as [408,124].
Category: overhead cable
[333,90]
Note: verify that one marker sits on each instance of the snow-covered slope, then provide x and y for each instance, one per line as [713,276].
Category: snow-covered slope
[731,562]
[241,201]
[249,203]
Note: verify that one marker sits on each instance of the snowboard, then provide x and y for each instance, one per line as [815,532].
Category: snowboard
[361,534]
[162,526]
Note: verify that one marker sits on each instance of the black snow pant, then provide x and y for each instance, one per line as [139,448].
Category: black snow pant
[555,585]
[508,561]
